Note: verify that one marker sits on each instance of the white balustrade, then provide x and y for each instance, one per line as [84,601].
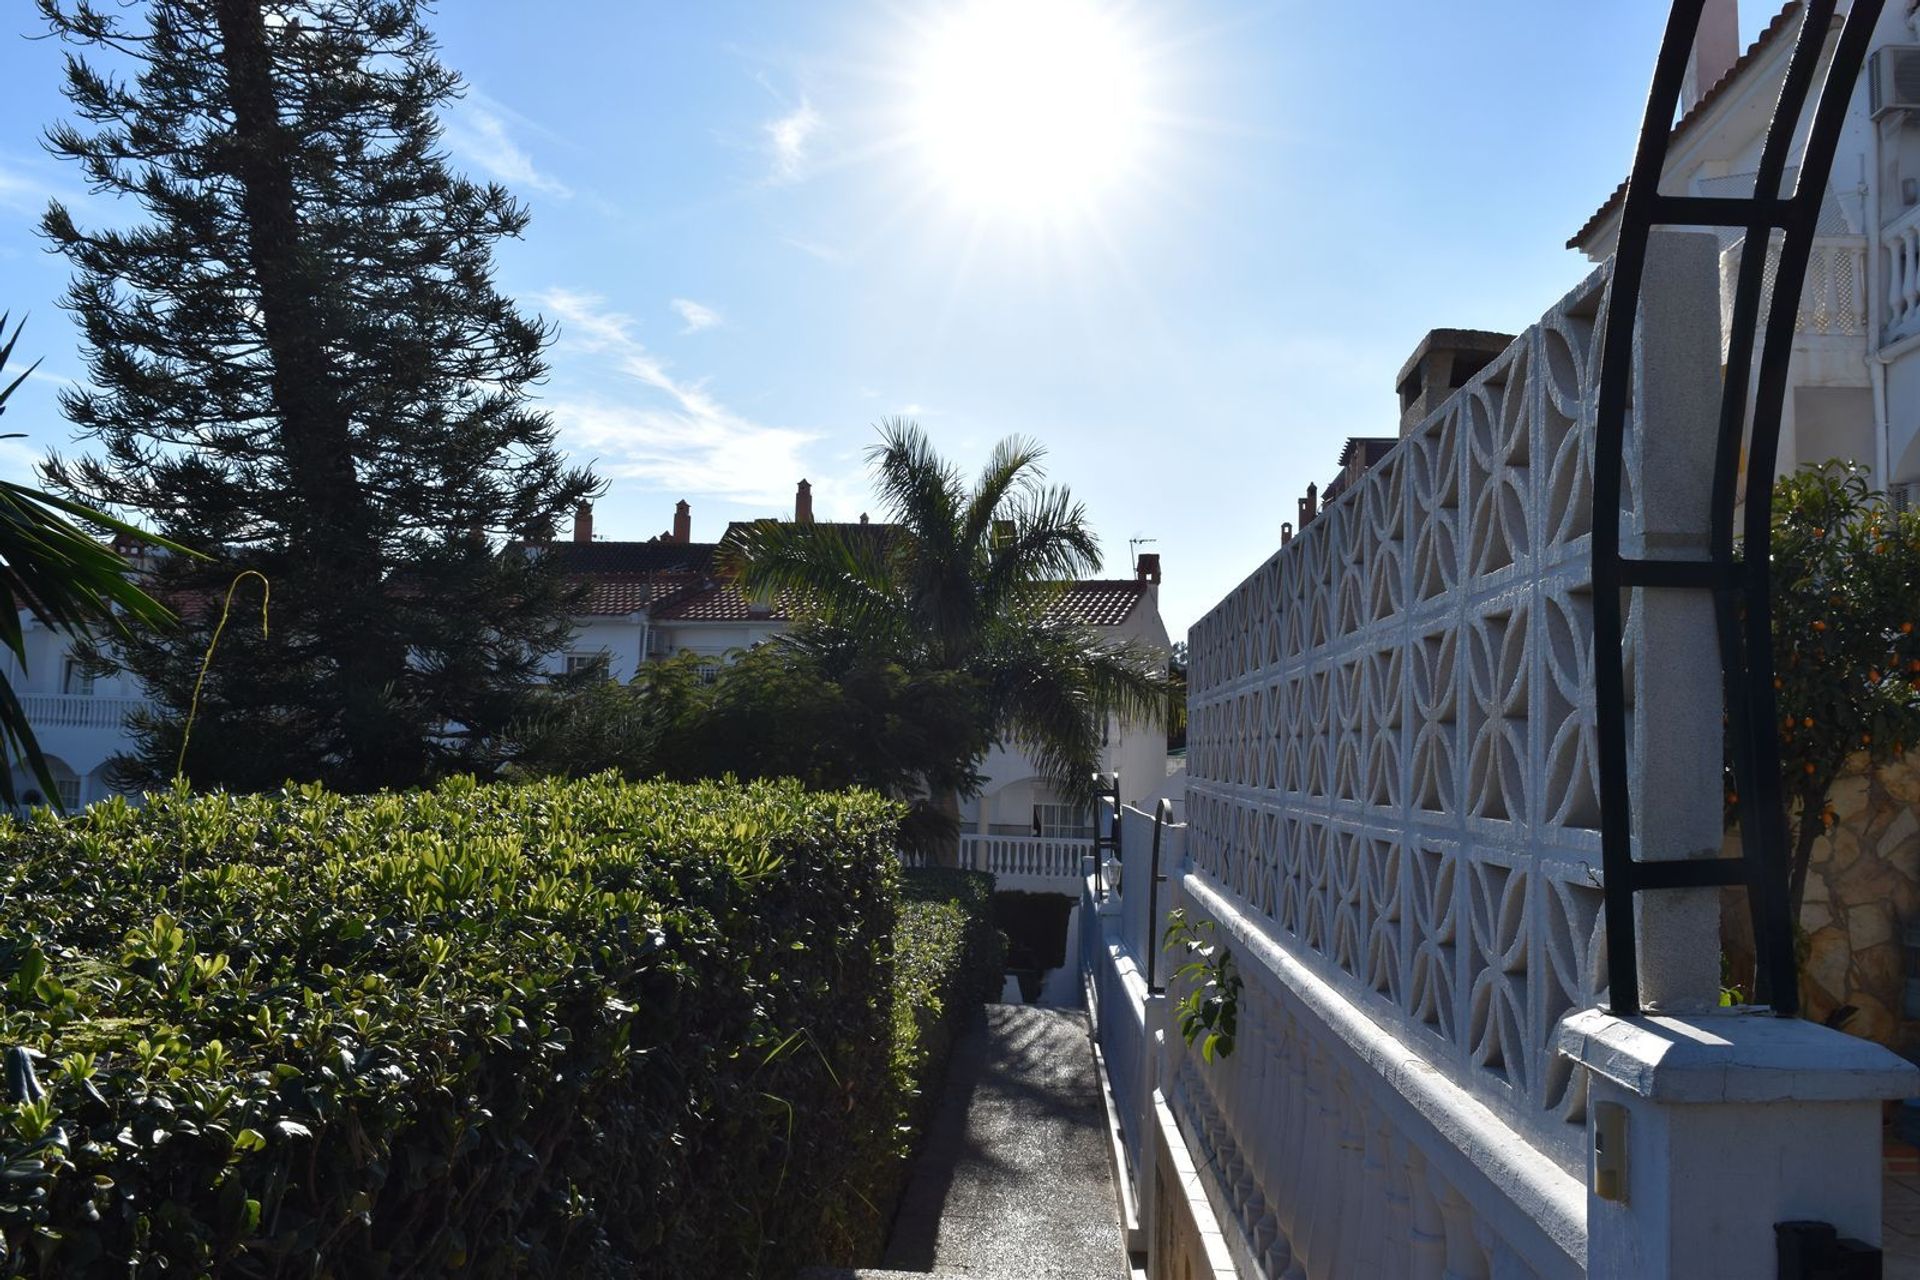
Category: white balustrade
[1833,298]
[78,711]
[1901,239]
[1049,863]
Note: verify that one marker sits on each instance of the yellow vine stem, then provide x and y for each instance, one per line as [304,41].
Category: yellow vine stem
[226,609]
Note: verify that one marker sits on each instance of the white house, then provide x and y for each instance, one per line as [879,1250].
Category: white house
[662,597]
[1854,380]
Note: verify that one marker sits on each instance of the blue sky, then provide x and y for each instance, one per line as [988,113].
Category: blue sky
[755,246]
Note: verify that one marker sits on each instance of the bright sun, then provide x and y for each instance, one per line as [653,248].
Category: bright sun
[1030,109]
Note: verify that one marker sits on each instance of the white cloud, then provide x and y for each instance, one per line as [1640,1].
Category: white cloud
[675,434]
[788,136]
[479,132]
[697,317]
[24,191]
[814,249]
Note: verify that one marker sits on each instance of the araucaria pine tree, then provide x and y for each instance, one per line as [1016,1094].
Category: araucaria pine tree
[300,364]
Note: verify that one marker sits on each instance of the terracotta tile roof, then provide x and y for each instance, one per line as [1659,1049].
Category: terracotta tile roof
[618,594]
[1783,23]
[1094,603]
[1097,602]
[722,602]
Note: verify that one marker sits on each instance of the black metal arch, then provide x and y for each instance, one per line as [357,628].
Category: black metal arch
[1739,584]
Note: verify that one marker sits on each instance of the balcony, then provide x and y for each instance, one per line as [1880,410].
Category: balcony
[1902,241]
[78,711]
[1833,302]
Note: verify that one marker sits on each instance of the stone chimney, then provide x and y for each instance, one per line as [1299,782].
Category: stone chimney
[583,522]
[803,504]
[682,521]
[1716,47]
[1148,568]
[1445,361]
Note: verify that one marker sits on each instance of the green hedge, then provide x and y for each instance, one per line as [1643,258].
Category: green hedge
[948,958]
[574,1029]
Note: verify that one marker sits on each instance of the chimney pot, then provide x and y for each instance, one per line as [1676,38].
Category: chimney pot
[682,521]
[583,522]
[803,504]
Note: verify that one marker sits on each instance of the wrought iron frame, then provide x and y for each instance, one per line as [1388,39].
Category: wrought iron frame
[1739,583]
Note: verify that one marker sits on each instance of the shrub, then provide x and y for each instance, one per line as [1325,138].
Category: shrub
[948,958]
[581,1028]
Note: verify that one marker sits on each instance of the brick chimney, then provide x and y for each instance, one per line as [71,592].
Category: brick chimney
[1148,568]
[1286,533]
[583,522]
[1716,47]
[803,504]
[682,521]
[1310,505]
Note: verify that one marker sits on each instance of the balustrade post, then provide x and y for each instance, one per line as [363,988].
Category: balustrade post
[1733,1122]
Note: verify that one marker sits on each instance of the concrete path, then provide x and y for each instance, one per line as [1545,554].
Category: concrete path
[1013,1182]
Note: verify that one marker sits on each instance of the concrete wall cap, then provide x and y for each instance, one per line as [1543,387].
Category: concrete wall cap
[1736,1055]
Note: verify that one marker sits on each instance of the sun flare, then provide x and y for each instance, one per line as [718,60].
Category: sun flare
[1030,109]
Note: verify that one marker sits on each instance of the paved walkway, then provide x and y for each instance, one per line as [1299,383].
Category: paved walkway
[1013,1180]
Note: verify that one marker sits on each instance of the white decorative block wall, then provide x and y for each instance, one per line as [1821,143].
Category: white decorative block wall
[1392,745]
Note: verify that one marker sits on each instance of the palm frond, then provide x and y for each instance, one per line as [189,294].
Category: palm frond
[56,570]
[1051,545]
[1053,688]
[918,489]
[843,577]
[1012,469]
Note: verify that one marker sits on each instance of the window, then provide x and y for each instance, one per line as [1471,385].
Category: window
[708,672]
[69,789]
[1060,821]
[75,680]
[585,663]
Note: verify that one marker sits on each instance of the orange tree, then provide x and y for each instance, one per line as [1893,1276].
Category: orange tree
[1846,600]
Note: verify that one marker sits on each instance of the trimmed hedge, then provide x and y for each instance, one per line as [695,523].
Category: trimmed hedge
[948,959]
[579,1029]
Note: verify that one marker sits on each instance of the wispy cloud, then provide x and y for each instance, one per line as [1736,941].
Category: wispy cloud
[675,435]
[788,138]
[814,249]
[22,190]
[696,316]
[480,132]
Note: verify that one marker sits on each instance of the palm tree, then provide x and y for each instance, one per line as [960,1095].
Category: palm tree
[55,570]
[959,582]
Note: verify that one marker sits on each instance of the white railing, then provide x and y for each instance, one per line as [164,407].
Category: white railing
[1052,859]
[1833,300]
[78,711]
[1902,242]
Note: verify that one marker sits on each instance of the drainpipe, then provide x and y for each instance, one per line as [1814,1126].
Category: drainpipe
[1876,309]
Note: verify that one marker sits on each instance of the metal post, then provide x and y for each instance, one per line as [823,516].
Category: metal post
[1161,813]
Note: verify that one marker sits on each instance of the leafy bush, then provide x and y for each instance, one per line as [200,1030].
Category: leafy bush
[577,1029]
[1846,653]
[948,958]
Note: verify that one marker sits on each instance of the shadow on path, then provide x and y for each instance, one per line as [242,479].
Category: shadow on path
[1013,1178]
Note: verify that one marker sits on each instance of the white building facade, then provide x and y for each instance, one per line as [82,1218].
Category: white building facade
[1854,380]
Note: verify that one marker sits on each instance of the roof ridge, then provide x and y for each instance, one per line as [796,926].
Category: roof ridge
[1697,112]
